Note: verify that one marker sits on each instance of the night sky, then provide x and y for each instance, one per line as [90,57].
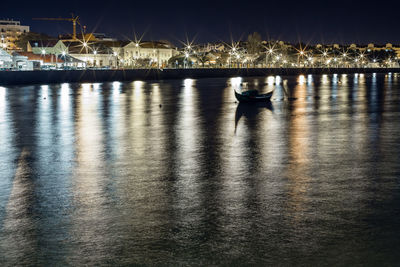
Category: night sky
[306,21]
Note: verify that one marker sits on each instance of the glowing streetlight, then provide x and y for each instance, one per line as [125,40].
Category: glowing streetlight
[95,52]
[84,44]
[43,52]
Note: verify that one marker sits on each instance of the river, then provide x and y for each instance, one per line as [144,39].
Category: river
[177,173]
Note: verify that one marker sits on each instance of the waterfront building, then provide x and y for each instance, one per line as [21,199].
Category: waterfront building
[14,61]
[156,53]
[95,55]
[31,61]
[5,59]
[117,50]
[10,30]
[47,47]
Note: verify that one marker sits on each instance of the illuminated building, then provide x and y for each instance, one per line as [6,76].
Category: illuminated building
[47,47]
[10,30]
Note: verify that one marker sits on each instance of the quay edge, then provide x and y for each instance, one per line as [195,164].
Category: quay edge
[62,76]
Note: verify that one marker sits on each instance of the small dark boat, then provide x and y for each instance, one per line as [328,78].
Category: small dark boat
[253,96]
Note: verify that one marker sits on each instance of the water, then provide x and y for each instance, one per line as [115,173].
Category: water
[101,174]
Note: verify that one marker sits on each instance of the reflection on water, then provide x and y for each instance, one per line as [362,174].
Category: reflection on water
[178,173]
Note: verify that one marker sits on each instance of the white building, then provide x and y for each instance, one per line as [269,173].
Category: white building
[47,47]
[157,53]
[6,59]
[10,30]
[93,54]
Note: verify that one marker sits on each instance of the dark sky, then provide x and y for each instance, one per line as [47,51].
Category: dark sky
[307,21]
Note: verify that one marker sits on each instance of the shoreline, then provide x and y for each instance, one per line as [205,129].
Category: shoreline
[78,76]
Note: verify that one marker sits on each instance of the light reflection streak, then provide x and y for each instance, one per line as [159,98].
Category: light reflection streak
[298,152]
[325,79]
[3,96]
[90,218]
[44,91]
[234,159]
[309,79]
[65,97]
[116,87]
[301,79]
[270,80]
[188,140]
[138,87]
[278,80]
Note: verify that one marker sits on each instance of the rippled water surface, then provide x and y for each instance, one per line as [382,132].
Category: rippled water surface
[177,173]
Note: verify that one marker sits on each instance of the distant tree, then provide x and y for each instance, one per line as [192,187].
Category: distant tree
[24,38]
[254,46]
[222,59]
[202,57]
[254,43]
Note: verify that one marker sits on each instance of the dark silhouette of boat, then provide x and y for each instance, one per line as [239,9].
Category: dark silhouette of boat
[253,96]
[251,110]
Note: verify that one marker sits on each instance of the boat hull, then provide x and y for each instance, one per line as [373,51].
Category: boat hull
[253,98]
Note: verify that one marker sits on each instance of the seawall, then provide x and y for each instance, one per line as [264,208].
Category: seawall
[61,76]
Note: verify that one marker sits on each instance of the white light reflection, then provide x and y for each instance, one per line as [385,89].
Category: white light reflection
[335,78]
[344,79]
[86,89]
[138,86]
[188,134]
[309,79]
[2,99]
[301,79]
[236,82]
[64,98]
[325,79]
[116,90]
[270,80]
[188,83]
[278,80]
[44,91]
[356,78]
[96,86]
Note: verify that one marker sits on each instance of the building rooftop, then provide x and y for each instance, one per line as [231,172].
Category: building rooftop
[35,57]
[77,47]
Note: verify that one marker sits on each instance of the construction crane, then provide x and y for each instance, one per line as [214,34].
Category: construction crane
[74,19]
